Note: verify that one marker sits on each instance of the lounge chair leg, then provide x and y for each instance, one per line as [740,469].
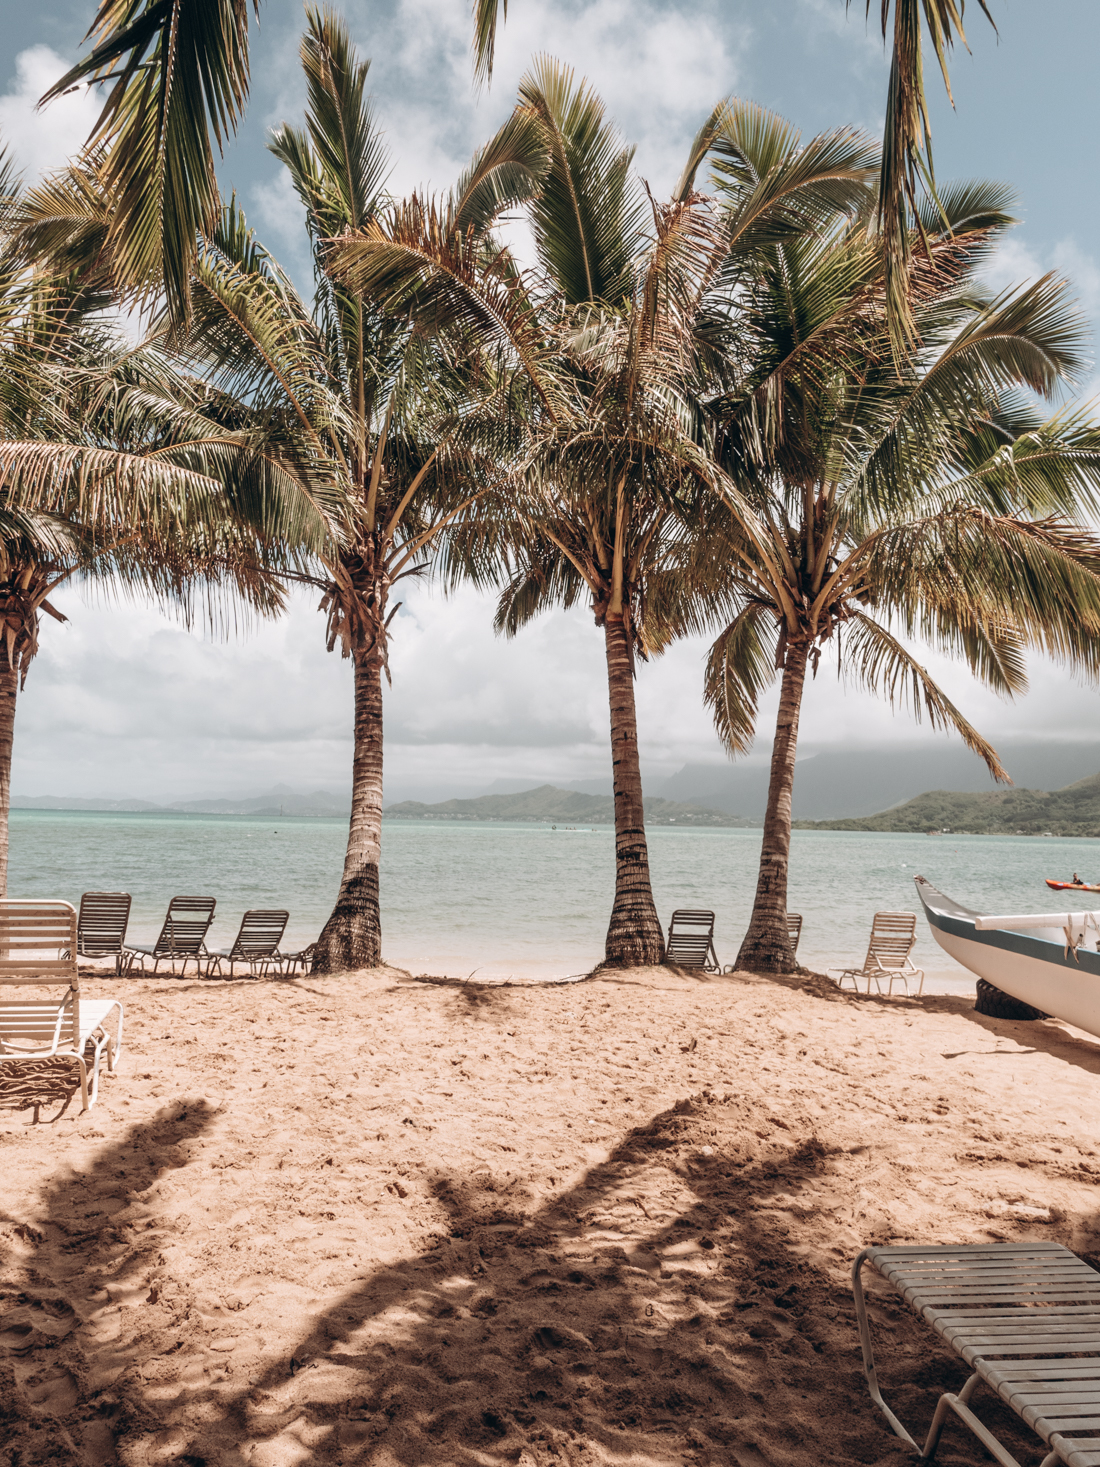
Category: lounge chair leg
[943,1405]
[868,1353]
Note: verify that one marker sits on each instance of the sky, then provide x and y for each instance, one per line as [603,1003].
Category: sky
[123,701]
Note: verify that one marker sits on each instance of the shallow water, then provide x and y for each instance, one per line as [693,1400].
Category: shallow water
[524,898]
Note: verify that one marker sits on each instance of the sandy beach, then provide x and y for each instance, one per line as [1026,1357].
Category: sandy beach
[372,1220]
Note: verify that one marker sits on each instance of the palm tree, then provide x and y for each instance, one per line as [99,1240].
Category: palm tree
[114,468]
[610,330]
[880,499]
[394,430]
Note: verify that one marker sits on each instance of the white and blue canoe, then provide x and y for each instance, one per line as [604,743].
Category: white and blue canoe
[1047,959]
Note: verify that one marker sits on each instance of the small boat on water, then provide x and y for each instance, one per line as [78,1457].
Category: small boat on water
[1071,885]
[1046,959]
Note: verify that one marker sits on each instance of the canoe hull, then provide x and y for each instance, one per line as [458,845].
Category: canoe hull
[1031,966]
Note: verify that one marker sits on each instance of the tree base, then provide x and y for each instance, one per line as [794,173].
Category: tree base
[637,952]
[764,956]
[352,936]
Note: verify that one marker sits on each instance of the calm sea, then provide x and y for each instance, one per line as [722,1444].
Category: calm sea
[525,899]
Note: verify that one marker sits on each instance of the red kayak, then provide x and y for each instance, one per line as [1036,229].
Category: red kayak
[1071,885]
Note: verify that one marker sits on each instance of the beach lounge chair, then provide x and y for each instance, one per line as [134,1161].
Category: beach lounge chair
[256,943]
[794,931]
[182,937]
[691,940]
[893,937]
[1025,1320]
[38,948]
[101,925]
[294,961]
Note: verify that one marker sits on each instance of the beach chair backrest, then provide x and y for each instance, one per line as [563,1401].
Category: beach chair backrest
[794,930]
[102,922]
[261,932]
[690,935]
[893,937]
[38,946]
[185,927]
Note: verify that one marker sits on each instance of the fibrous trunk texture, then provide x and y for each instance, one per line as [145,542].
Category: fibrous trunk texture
[634,936]
[766,947]
[352,936]
[9,687]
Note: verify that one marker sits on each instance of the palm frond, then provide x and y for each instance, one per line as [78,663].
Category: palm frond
[179,70]
[587,216]
[740,668]
[879,663]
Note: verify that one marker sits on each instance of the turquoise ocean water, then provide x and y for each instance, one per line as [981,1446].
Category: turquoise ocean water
[526,899]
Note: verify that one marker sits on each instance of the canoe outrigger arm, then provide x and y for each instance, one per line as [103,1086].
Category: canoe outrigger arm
[1074,924]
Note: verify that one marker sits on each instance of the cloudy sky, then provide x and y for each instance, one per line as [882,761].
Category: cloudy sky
[123,702]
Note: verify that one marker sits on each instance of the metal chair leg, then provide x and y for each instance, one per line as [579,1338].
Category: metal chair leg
[868,1352]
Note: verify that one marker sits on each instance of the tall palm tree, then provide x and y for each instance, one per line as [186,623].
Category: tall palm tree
[881,498]
[396,430]
[610,329]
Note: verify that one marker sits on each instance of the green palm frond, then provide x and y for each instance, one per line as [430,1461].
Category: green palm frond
[485,35]
[740,669]
[506,172]
[587,217]
[879,663]
[907,140]
[179,74]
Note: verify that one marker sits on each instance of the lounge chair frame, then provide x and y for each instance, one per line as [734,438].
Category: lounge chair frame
[693,948]
[794,931]
[289,963]
[101,925]
[256,944]
[182,938]
[893,938]
[1025,1317]
[69,1028]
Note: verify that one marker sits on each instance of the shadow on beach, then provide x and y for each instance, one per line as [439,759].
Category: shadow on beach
[713,1338]
[680,1300]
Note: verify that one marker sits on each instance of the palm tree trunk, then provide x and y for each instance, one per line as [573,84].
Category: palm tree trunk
[352,936]
[766,947]
[634,936]
[9,687]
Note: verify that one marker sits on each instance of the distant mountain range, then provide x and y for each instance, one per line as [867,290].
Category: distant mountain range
[849,784]
[281,800]
[832,787]
[549,805]
[1074,810]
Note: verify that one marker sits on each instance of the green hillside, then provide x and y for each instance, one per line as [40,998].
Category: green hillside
[1074,810]
[550,806]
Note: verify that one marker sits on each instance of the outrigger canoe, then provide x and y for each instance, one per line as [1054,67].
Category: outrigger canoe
[1046,959]
[1071,885]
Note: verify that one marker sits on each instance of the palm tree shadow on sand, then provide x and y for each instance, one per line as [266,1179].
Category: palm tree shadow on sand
[599,1326]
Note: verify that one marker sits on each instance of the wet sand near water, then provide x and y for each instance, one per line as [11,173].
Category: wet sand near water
[370,1220]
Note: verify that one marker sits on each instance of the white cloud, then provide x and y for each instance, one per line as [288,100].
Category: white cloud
[44,140]
[121,701]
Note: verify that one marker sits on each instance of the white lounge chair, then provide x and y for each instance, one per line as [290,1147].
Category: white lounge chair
[38,948]
[1024,1318]
[893,937]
